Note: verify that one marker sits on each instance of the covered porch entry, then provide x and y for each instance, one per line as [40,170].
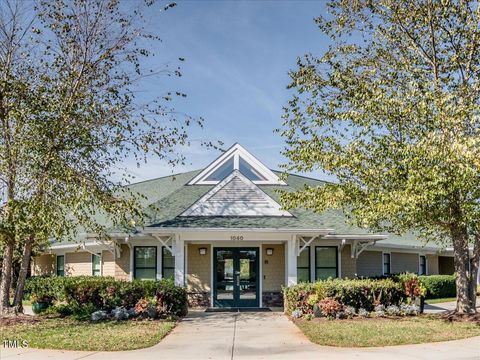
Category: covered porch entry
[236,268]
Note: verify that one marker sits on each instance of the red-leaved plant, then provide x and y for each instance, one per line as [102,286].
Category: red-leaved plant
[330,307]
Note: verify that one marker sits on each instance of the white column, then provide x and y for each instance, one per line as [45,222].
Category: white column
[292,249]
[179,252]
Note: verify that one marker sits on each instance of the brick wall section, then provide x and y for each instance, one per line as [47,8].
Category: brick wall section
[348,265]
[198,269]
[402,262]
[445,265]
[108,263]
[369,263]
[43,265]
[78,263]
[122,264]
[273,271]
[432,264]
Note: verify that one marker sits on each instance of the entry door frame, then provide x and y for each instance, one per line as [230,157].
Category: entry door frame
[258,280]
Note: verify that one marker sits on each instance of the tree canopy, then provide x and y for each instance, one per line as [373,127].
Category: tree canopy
[71,114]
[391,110]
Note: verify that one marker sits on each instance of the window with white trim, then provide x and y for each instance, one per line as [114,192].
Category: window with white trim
[145,262]
[326,262]
[386,264]
[168,263]
[96,264]
[238,159]
[303,265]
[423,265]
[60,265]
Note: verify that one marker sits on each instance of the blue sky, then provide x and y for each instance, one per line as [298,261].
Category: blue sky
[237,57]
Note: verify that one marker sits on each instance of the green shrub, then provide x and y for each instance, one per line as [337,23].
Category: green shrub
[171,298]
[52,287]
[86,294]
[296,297]
[439,286]
[358,293]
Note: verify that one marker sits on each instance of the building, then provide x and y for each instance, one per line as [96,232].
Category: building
[221,232]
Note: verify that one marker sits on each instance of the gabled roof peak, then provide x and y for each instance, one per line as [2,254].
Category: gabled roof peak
[236,158]
[236,195]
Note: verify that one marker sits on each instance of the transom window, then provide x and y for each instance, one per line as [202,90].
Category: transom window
[61,265]
[303,266]
[96,264]
[386,264]
[168,263]
[145,262]
[326,262]
[423,265]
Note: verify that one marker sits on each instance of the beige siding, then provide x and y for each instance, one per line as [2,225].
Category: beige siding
[198,268]
[369,263]
[122,264]
[348,266]
[432,265]
[43,265]
[78,263]
[273,267]
[404,262]
[108,263]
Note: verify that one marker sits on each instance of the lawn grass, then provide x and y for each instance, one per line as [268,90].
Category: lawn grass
[67,334]
[385,332]
[440,300]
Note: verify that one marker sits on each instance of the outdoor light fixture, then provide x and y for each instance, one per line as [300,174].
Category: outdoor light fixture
[202,251]
[269,251]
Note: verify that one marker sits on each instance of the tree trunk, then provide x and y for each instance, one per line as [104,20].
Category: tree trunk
[462,270]
[6,278]
[22,275]
[474,263]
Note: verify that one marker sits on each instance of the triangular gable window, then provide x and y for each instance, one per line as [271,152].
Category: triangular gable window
[222,172]
[236,158]
[249,171]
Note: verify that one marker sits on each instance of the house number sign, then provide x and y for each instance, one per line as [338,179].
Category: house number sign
[236,237]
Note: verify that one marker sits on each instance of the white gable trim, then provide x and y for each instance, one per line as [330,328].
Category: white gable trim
[237,151]
[197,207]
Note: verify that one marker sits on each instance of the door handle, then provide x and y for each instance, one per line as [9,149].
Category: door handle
[238,277]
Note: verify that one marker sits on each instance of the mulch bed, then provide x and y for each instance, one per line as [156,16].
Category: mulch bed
[453,316]
[18,320]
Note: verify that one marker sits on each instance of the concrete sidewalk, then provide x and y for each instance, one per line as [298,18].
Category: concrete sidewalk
[253,336]
[445,306]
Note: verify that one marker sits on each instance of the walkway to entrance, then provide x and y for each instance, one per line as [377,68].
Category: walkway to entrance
[267,335]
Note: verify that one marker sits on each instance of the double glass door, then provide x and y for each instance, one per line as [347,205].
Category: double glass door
[236,277]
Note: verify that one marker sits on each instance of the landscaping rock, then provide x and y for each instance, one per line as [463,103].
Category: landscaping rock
[317,312]
[349,311]
[393,310]
[297,314]
[99,315]
[409,309]
[363,313]
[131,312]
[120,313]
[341,315]
[152,312]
